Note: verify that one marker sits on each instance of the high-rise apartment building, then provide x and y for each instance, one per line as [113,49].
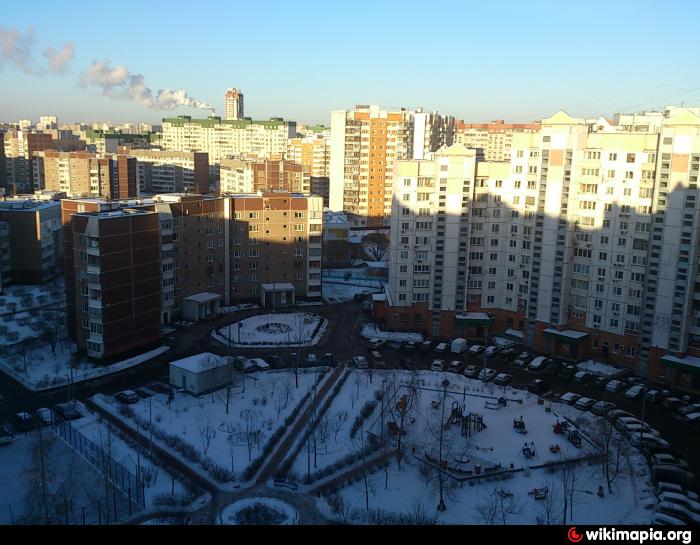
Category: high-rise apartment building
[276,242]
[223,138]
[170,171]
[584,241]
[251,175]
[314,153]
[365,142]
[431,131]
[233,104]
[36,244]
[493,140]
[85,174]
[19,148]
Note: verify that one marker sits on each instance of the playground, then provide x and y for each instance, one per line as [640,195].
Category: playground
[490,444]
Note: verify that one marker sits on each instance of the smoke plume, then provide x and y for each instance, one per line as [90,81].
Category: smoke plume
[16,49]
[119,83]
[59,59]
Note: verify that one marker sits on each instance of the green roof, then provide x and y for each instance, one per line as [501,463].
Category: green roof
[213,121]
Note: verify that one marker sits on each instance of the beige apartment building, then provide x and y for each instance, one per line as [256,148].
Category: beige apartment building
[233,104]
[248,175]
[224,138]
[170,171]
[493,140]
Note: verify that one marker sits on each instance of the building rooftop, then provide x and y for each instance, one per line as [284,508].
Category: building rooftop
[23,204]
[201,362]
[203,297]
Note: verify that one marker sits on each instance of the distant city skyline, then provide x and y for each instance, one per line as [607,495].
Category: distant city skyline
[149,62]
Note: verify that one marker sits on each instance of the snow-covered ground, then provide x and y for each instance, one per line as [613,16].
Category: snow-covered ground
[337,293]
[283,513]
[353,275]
[235,308]
[371,331]
[27,310]
[401,491]
[265,330]
[598,368]
[46,370]
[256,410]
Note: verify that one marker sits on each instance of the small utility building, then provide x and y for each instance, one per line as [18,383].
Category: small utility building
[201,373]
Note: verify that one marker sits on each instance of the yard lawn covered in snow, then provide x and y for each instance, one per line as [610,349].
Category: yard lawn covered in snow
[333,440]
[598,368]
[293,329]
[158,481]
[46,370]
[20,475]
[372,331]
[269,397]
[337,293]
[26,303]
[498,443]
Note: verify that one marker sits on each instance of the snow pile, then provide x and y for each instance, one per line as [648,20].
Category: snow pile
[371,331]
[598,368]
[291,329]
[337,293]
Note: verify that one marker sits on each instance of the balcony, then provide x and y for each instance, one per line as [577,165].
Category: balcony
[95,304]
[95,314]
[92,250]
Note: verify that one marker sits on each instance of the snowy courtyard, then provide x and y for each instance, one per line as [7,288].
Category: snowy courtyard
[372,331]
[295,329]
[337,293]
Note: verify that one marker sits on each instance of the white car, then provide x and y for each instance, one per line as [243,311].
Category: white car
[487,374]
[437,365]
[360,362]
[455,366]
[476,349]
[538,364]
[44,415]
[614,386]
[491,350]
[634,392]
[569,398]
[260,364]
[584,403]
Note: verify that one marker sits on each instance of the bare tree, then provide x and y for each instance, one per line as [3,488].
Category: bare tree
[336,423]
[53,327]
[248,431]
[283,396]
[229,375]
[419,514]
[498,505]
[207,432]
[611,450]
[340,508]
[375,245]
[548,506]
[569,479]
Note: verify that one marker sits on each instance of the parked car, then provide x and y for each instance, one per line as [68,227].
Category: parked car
[378,360]
[507,355]
[311,360]
[426,346]
[23,422]
[360,362]
[437,365]
[276,361]
[615,386]
[6,434]
[645,439]
[678,511]
[601,408]
[693,419]
[538,386]
[599,383]
[249,366]
[522,360]
[583,377]
[688,409]
[673,403]
[67,411]
[569,398]
[668,459]
[487,374]
[261,365]
[407,363]
[567,373]
[635,392]
[538,364]
[613,415]
[584,403]
[470,371]
[491,351]
[326,359]
[127,396]
[455,366]
[475,349]
[653,396]
[441,348]
[662,486]
[681,499]
[503,379]
[377,344]
[411,346]
[553,368]
[44,416]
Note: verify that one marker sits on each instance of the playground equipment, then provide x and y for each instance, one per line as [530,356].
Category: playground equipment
[505,493]
[575,438]
[529,451]
[539,493]
[493,469]
[470,423]
[496,405]
[519,426]
[555,449]
[560,427]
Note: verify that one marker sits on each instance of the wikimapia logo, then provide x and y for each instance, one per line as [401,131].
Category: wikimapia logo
[639,536]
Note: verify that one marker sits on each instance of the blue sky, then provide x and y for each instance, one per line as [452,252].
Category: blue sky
[300,60]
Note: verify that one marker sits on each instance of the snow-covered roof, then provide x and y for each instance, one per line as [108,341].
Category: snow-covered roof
[378,264]
[200,362]
[687,361]
[203,297]
[514,333]
[572,334]
[278,286]
[379,297]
